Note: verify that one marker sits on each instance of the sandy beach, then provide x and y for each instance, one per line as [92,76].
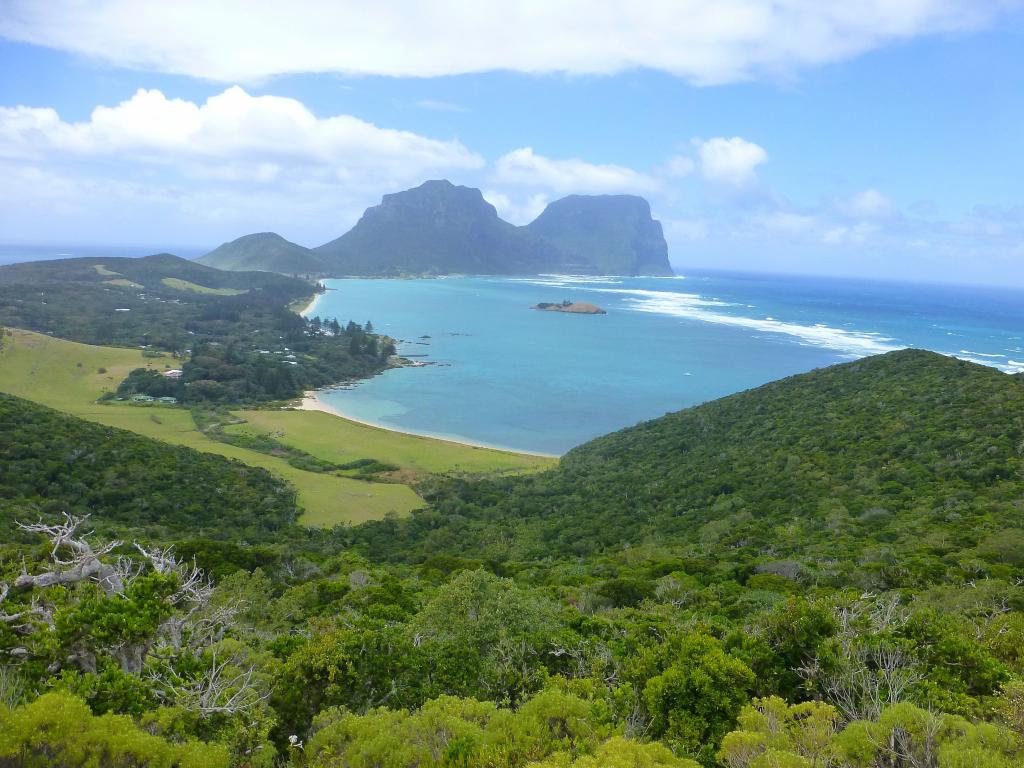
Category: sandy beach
[312,303]
[311,402]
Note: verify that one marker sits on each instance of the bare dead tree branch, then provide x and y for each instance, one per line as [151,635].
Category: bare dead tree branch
[215,691]
[84,562]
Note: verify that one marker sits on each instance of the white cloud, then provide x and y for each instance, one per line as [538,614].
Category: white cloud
[869,204]
[702,41]
[678,166]
[233,135]
[732,162]
[435,105]
[524,167]
[517,210]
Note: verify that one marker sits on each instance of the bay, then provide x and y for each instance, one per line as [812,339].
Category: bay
[502,374]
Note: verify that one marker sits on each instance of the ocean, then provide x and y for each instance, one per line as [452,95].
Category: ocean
[504,375]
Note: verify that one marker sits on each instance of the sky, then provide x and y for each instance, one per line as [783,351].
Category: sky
[882,138]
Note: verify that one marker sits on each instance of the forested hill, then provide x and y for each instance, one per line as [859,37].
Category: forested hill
[52,463]
[149,272]
[131,302]
[233,334]
[265,251]
[894,470]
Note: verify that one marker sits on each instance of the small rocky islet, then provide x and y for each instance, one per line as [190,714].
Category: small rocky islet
[571,307]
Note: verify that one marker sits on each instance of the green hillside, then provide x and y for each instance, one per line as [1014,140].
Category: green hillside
[233,334]
[131,302]
[896,470]
[265,252]
[816,572]
[54,463]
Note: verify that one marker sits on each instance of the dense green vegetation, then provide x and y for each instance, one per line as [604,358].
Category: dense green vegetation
[232,333]
[52,463]
[268,252]
[896,471]
[826,571]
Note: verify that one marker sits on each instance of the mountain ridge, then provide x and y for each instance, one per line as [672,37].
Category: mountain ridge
[442,228]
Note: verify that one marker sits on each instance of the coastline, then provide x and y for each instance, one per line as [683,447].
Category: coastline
[303,311]
[311,402]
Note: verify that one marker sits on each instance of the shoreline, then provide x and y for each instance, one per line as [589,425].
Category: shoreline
[301,312]
[312,402]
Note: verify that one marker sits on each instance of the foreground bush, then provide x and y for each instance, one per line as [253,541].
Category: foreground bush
[58,730]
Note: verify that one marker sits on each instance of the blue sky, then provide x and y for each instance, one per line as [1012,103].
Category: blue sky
[789,136]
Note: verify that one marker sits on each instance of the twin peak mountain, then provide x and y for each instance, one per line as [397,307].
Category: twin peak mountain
[438,228]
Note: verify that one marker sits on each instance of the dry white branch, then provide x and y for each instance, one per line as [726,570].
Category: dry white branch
[84,562]
[216,691]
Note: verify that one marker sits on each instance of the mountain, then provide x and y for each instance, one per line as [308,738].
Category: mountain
[437,228]
[888,472]
[440,228]
[607,234]
[264,252]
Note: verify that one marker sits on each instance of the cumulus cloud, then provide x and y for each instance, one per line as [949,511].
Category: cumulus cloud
[732,162]
[702,41]
[678,166]
[233,135]
[524,167]
[517,209]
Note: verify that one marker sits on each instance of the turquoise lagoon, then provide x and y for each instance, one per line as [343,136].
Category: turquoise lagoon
[502,374]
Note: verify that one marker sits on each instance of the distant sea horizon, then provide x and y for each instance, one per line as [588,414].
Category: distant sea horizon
[501,374]
[16,253]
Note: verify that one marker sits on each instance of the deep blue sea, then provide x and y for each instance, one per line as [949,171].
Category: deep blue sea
[502,374]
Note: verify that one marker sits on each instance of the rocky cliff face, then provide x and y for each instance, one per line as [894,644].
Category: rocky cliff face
[436,228]
[605,234]
[440,228]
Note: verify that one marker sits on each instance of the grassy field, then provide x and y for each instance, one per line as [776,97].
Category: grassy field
[339,441]
[67,376]
[185,285]
[70,377]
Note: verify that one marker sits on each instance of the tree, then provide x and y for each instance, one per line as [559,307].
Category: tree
[618,752]
[59,730]
[808,735]
[485,636]
[695,701]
